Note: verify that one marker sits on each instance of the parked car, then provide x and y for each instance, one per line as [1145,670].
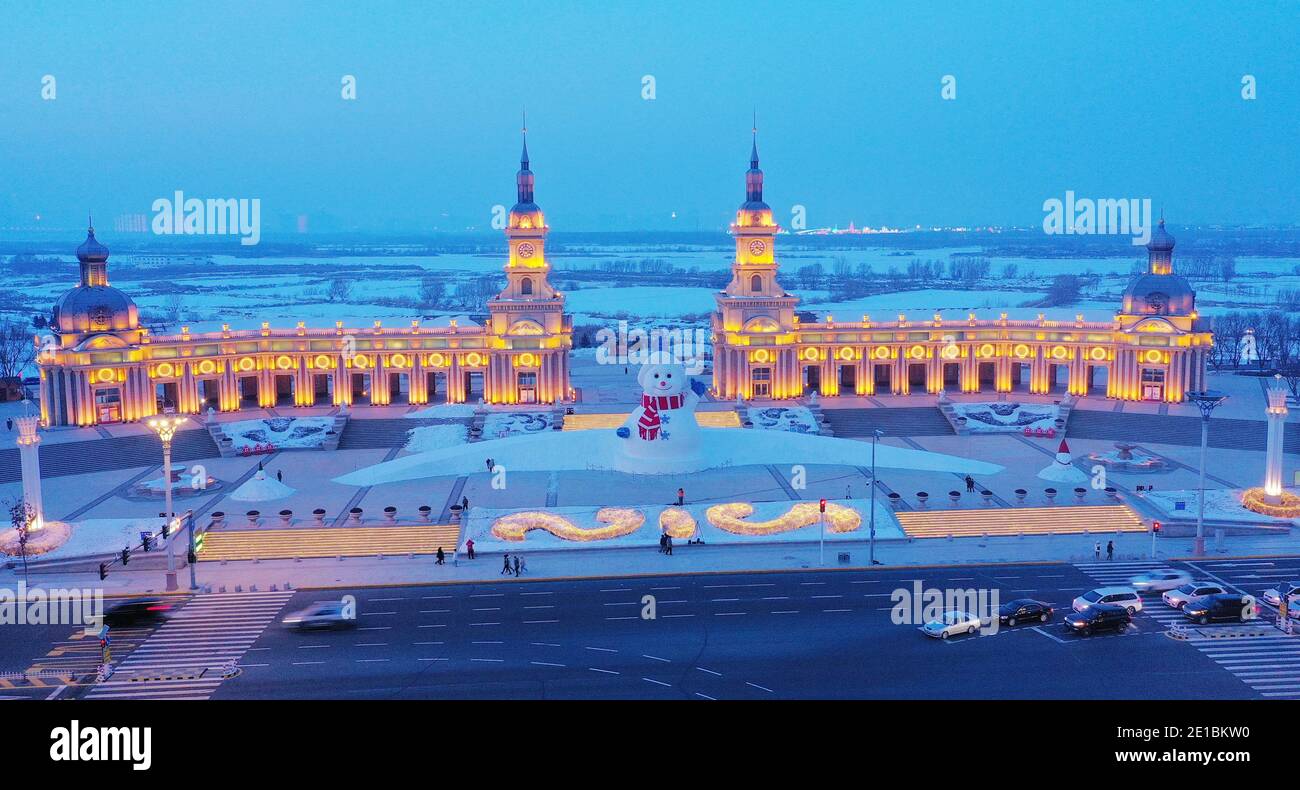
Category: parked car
[1024,610]
[1179,597]
[1098,617]
[1120,596]
[1160,580]
[138,610]
[322,614]
[1221,607]
[1274,596]
[951,623]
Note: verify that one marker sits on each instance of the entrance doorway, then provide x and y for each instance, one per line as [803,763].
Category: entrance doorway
[167,395]
[361,388]
[951,376]
[848,378]
[108,405]
[526,387]
[399,388]
[884,378]
[248,390]
[284,390]
[1153,384]
[812,379]
[988,375]
[916,376]
[209,394]
[760,383]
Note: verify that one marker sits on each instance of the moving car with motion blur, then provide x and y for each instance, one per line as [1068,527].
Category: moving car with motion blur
[322,614]
[1098,617]
[1221,607]
[1274,596]
[138,610]
[1159,580]
[1024,610]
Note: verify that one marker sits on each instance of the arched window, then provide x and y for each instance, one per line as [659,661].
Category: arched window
[526,286]
[756,283]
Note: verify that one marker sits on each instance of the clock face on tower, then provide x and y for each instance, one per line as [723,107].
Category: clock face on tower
[756,247]
[525,250]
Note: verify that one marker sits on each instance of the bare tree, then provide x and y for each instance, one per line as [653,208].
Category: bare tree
[339,290]
[174,304]
[17,349]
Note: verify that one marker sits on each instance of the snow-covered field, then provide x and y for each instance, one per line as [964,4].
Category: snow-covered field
[1221,504]
[283,432]
[1006,416]
[435,437]
[443,410]
[499,425]
[784,418]
[479,527]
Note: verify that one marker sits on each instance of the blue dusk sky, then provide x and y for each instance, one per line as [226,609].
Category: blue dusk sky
[218,99]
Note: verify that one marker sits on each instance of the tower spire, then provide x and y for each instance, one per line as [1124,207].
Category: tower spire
[523,159]
[753,151]
[524,180]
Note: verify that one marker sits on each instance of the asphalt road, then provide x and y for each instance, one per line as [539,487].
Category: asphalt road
[804,634]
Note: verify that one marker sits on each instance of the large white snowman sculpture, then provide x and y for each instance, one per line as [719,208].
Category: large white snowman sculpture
[663,427]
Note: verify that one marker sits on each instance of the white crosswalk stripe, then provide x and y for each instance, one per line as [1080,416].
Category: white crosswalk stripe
[1268,664]
[183,659]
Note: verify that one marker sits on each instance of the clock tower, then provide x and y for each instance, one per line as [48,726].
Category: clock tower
[754,325]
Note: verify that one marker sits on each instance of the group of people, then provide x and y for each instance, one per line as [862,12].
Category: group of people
[666,544]
[491,464]
[1110,549]
[519,565]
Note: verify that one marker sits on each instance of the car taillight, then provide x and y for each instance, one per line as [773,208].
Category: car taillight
[159,608]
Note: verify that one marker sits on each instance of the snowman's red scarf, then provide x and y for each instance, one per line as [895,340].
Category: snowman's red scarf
[650,422]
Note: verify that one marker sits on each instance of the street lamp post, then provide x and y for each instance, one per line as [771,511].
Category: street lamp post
[875,436]
[166,427]
[1207,401]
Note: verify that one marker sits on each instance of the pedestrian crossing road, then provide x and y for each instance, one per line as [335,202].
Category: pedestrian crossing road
[1268,664]
[185,658]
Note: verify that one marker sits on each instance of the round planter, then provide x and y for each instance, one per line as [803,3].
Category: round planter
[218,518]
[895,499]
[1050,494]
[1020,496]
[426,512]
[1079,494]
[921,498]
[285,517]
[390,514]
[252,515]
[319,516]
[988,497]
[954,497]
[355,515]
[455,513]
[1112,493]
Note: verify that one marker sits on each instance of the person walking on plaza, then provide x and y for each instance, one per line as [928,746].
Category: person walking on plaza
[663,542]
[9,424]
[516,566]
[505,565]
[469,548]
[464,504]
[668,546]
[970,484]
[1110,550]
[681,497]
[279,475]
[442,558]
[1096,550]
[488,463]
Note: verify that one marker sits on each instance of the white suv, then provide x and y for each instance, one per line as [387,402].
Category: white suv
[1126,597]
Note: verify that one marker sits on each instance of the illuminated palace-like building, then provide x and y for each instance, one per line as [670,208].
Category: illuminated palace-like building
[104,367]
[1150,351]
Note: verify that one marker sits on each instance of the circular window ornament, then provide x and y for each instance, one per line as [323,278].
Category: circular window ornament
[951,351]
[846,353]
[1059,352]
[810,354]
[881,352]
[207,367]
[762,355]
[986,350]
[321,361]
[1155,357]
[106,375]
[474,359]
[438,360]
[397,360]
[917,351]
[1021,351]
[1098,354]
[164,369]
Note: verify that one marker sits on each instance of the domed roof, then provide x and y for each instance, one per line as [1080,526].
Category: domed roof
[1159,294]
[95,308]
[91,251]
[1161,239]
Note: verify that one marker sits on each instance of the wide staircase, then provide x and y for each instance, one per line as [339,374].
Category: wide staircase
[102,455]
[379,434]
[266,544]
[1227,433]
[1066,520]
[902,421]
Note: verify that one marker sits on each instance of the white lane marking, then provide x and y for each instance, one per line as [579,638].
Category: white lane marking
[655,658]
[764,688]
[489,660]
[603,649]
[711,672]
[546,663]
[706,696]
[660,682]
[306,663]
[534,622]
[606,671]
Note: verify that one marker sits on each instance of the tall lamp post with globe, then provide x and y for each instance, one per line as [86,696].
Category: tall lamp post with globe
[875,437]
[166,427]
[1207,401]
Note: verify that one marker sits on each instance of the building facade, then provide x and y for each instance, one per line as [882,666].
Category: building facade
[1150,351]
[101,366]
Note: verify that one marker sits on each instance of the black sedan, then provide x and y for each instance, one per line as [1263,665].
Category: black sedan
[1024,610]
[137,610]
[1098,617]
[1221,607]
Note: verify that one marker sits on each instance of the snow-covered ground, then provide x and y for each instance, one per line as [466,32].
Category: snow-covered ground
[261,488]
[784,418]
[1221,504]
[283,432]
[500,425]
[94,536]
[481,520]
[443,410]
[1006,416]
[435,437]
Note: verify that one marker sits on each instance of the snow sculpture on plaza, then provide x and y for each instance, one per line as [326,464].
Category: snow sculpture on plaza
[1062,468]
[660,437]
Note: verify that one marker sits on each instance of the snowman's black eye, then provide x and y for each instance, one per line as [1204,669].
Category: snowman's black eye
[656,375]
[670,375]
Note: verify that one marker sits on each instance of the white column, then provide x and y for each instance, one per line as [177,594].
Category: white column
[30,461]
[1276,412]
